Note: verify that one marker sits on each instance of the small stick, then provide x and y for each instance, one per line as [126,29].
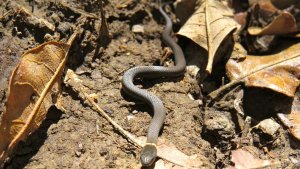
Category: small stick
[6,13]
[79,11]
[72,78]
[103,33]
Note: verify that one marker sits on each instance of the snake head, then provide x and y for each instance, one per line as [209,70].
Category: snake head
[148,154]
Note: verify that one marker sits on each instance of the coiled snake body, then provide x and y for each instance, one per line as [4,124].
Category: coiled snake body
[149,151]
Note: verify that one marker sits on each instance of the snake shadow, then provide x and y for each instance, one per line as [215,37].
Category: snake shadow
[26,150]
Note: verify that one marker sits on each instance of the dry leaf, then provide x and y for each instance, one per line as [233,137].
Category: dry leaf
[284,23]
[241,18]
[208,27]
[245,160]
[34,86]
[292,120]
[170,153]
[283,4]
[278,72]
[265,5]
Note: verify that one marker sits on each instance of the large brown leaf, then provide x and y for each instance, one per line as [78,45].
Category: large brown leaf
[284,23]
[279,72]
[34,86]
[208,27]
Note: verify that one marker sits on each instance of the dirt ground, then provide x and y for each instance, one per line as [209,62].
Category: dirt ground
[80,137]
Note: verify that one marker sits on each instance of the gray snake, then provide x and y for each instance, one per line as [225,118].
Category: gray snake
[149,151]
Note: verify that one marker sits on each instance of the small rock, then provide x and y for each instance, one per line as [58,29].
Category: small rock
[103,151]
[129,117]
[268,126]
[64,28]
[80,146]
[134,112]
[200,102]
[294,160]
[192,70]
[139,38]
[220,126]
[55,18]
[191,96]
[48,37]
[138,29]
[108,111]
[78,153]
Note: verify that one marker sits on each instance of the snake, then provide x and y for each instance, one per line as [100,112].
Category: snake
[149,150]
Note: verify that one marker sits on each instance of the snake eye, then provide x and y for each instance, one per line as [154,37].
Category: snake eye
[148,155]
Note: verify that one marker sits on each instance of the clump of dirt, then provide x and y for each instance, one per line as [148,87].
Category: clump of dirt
[79,137]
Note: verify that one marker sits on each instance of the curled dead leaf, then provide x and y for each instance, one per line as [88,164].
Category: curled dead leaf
[279,72]
[265,5]
[168,151]
[208,27]
[283,4]
[284,23]
[243,159]
[34,86]
[292,120]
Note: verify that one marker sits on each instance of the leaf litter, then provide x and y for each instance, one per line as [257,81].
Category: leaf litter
[208,27]
[34,87]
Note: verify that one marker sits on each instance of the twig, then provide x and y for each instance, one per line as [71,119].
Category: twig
[213,95]
[33,19]
[72,79]
[6,13]
[79,11]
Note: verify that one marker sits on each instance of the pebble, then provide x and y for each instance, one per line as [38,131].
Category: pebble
[64,28]
[200,102]
[138,29]
[192,70]
[55,18]
[108,111]
[78,154]
[129,117]
[191,96]
[48,37]
[103,151]
[268,126]
[220,126]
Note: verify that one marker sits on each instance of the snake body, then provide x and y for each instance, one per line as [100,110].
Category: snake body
[149,151]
